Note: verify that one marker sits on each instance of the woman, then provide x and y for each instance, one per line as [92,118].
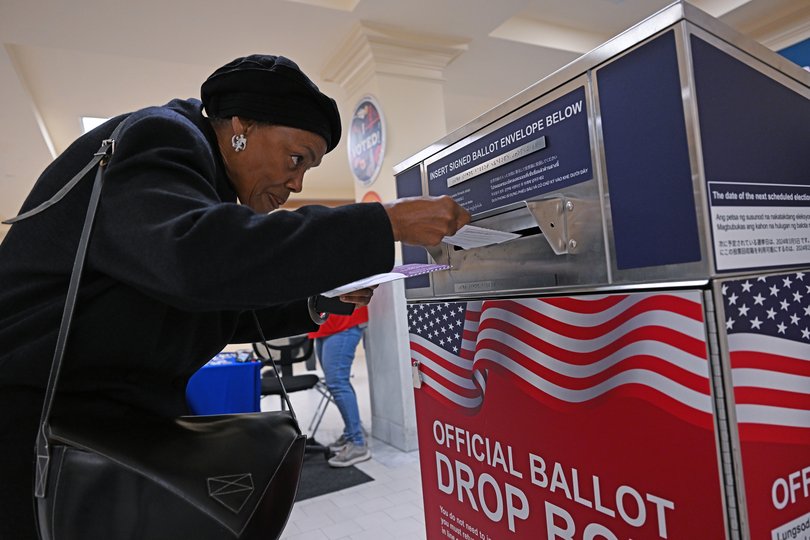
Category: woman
[335,344]
[175,264]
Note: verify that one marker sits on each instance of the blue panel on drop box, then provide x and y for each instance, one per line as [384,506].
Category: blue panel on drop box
[647,157]
[759,132]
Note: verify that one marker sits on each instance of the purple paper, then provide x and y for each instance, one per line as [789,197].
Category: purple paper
[417,269]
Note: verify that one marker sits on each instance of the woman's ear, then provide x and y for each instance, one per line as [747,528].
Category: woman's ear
[241,125]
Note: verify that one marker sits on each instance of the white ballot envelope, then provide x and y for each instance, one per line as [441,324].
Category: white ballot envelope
[398,272]
[470,236]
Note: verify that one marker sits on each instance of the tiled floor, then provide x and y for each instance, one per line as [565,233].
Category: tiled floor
[390,506]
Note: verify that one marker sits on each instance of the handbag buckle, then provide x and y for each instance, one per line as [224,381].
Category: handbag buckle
[106,150]
[43,461]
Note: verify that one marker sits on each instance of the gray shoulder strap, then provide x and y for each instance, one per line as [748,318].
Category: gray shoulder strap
[59,195]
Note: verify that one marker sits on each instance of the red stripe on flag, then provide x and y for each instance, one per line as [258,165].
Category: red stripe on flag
[672,304]
[774,434]
[770,362]
[693,346]
[746,395]
[441,360]
[578,305]
[658,399]
[641,361]
[448,384]
[472,314]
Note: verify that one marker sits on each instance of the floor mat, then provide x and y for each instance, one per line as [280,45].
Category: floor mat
[318,478]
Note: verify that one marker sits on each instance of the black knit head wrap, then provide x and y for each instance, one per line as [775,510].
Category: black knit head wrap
[271,89]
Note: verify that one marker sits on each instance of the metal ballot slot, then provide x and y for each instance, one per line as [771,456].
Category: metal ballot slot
[556,233]
[531,173]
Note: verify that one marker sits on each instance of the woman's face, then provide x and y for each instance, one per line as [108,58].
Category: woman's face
[273,163]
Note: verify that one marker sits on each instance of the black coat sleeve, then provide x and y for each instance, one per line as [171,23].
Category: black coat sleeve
[278,321]
[163,229]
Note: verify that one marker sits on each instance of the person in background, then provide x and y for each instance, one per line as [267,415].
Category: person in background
[335,344]
[188,242]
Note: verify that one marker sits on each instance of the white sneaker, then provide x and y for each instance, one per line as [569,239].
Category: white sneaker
[339,444]
[351,454]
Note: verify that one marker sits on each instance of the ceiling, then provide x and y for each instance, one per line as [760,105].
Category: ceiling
[62,60]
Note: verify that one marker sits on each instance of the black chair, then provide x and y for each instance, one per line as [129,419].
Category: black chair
[287,352]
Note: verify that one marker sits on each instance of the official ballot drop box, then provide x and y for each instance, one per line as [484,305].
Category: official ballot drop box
[636,365]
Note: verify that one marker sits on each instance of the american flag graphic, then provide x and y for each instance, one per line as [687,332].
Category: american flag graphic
[768,328]
[569,351]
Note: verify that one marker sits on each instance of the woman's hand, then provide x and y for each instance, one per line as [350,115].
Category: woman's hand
[359,297]
[424,221]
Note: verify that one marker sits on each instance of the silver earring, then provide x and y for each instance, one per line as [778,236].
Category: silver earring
[239,142]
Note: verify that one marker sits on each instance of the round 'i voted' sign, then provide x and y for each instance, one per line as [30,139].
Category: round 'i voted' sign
[366,141]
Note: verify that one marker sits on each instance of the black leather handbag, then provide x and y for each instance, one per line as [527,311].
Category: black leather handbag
[150,478]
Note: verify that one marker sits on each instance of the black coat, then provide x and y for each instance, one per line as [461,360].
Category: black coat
[173,268]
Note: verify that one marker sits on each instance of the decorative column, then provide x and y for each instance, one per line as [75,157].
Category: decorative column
[24,162]
[404,73]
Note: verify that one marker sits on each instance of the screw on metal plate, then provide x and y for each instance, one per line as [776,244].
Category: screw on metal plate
[559,218]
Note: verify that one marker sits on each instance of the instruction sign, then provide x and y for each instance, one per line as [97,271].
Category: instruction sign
[543,151]
[760,225]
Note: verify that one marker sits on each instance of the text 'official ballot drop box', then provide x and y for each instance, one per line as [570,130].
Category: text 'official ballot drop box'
[636,365]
